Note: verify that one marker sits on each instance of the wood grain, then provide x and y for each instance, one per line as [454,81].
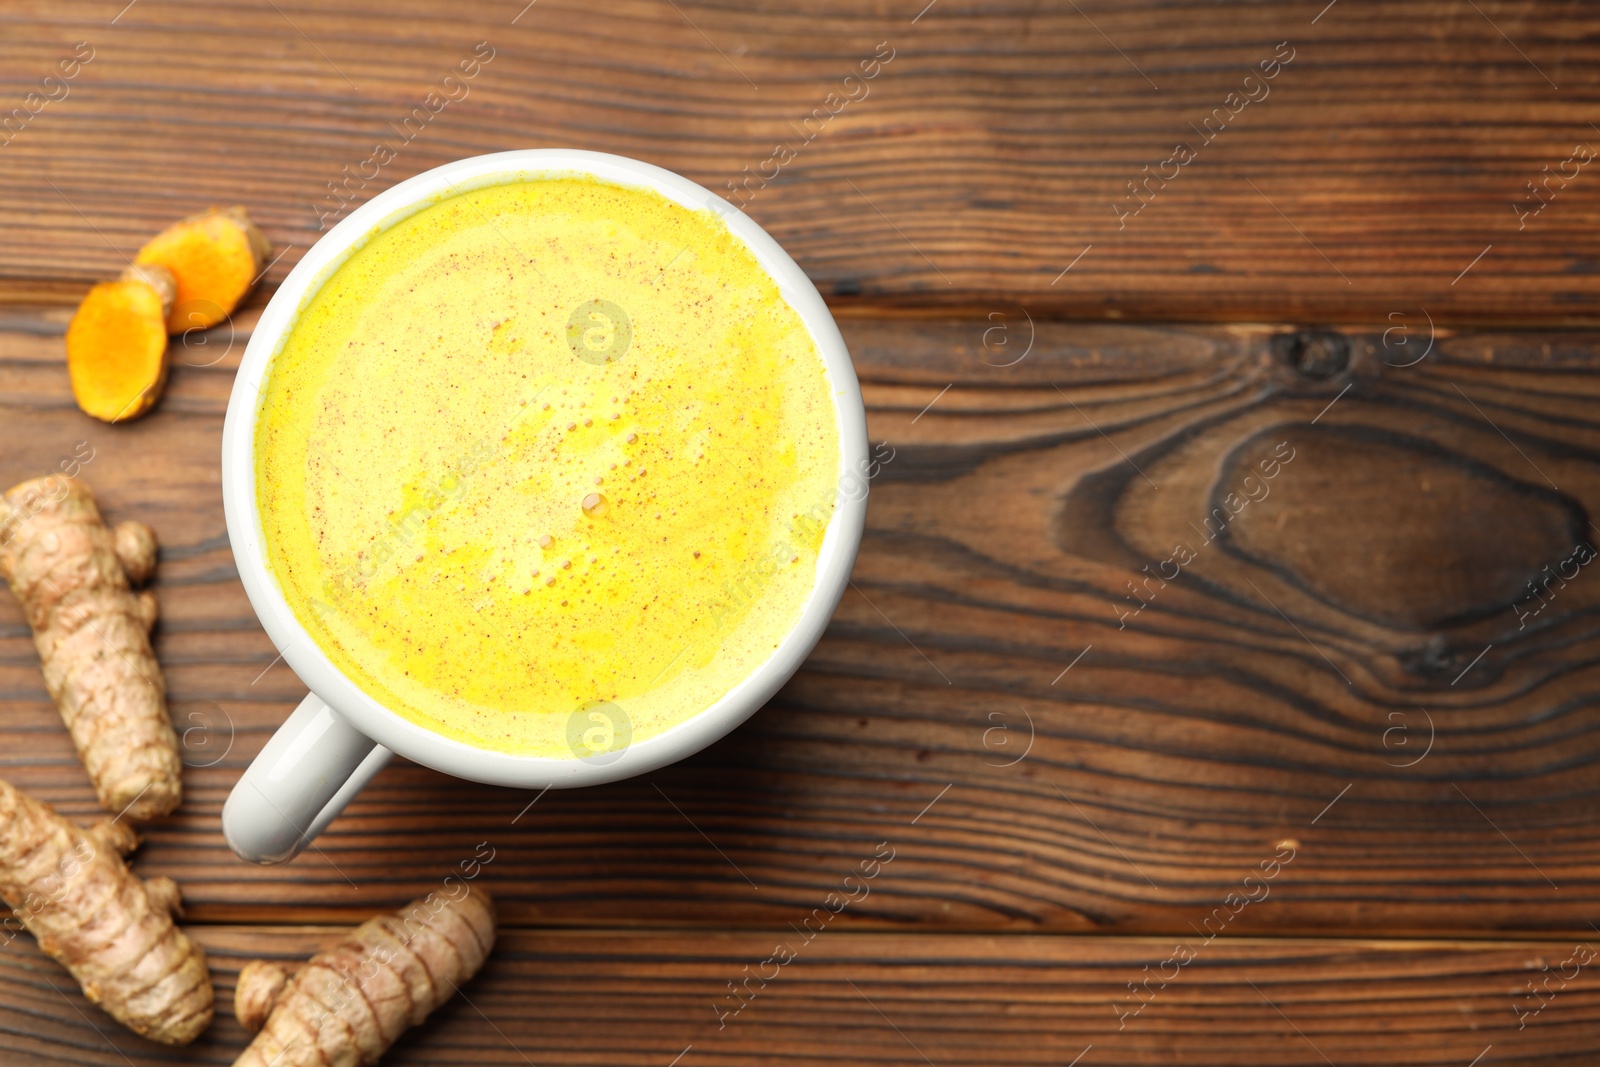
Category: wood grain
[645,998]
[1343,666]
[1380,169]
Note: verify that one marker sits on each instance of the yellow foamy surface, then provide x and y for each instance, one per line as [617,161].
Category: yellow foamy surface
[491,522]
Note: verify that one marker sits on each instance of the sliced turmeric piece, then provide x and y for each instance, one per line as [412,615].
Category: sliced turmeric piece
[353,1000]
[215,256]
[117,344]
[114,932]
[75,578]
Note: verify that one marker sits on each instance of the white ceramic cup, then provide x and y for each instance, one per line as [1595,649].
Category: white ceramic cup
[339,737]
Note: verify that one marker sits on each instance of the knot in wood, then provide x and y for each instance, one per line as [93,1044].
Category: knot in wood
[1316,354]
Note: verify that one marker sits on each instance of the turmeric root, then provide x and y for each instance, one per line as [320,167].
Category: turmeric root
[117,344]
[73,892]
[92,631]
[353,1000]
[215,256]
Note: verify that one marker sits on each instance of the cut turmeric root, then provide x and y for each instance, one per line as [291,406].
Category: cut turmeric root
[189,277]
[215,256]
[92,631]
[117,344]
[353,1000]
[73,892]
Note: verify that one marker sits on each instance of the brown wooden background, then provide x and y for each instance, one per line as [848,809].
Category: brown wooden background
[1352,672]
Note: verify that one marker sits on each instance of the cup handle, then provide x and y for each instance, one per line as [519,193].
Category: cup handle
[309,770]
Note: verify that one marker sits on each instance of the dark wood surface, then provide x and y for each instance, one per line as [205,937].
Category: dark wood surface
[647,997]
[1192,743]
[973,169]
[1077,764]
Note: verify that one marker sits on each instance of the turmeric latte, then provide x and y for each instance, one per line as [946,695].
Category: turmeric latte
[542,447]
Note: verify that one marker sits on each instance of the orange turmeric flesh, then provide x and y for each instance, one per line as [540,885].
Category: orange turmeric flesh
[215,258]
[117,345]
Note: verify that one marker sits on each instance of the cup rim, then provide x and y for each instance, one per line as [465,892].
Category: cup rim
[417,742]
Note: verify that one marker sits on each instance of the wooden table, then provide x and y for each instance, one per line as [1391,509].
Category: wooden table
[1312,781]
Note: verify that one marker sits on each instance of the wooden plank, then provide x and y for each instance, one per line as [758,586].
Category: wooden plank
[1353,664]
[1391,162]
[648,998]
